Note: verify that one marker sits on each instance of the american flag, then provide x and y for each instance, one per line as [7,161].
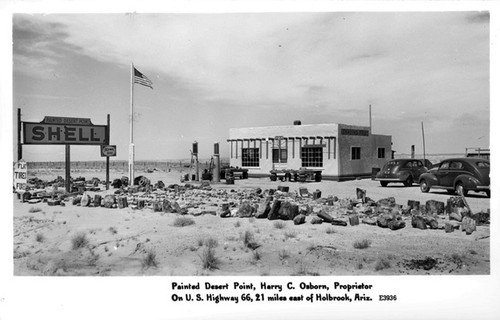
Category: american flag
[142,79]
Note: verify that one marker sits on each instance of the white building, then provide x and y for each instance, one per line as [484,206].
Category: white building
[339,151]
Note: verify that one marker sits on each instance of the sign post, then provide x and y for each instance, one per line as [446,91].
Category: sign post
[108,151]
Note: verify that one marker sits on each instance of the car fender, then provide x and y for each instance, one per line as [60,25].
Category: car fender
[430,178]
[469,181]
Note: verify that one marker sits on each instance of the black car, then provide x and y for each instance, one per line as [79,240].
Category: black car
[459,175]
[406,171]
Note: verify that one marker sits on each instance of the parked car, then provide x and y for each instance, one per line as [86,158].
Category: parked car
[459,175]
[406,171]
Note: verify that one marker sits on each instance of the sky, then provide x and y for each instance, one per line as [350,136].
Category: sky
[212,72]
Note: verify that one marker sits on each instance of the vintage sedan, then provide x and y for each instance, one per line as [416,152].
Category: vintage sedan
[459,175]
[406,171]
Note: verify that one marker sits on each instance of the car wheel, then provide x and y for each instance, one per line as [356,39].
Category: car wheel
[488,194]
[408,182]
[460,189]
[424,187]
[383,183]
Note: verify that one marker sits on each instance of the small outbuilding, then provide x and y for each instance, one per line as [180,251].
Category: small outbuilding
[339,151]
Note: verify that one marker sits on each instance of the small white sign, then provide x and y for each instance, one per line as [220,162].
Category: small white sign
[20,175]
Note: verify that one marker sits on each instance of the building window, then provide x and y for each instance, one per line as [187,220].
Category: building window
[312,156]
[355,153]
[381,153]
[250,157]
[279,156]
[280,151]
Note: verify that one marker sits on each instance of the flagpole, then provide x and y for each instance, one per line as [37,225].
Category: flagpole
[131,146]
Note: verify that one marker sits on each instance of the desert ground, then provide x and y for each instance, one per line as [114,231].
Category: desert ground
[75,240]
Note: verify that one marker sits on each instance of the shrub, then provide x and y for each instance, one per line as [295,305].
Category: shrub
[290,234]
[283,254]
[79,241]
[251,219]
[279,224]
[200,242]
[113,230]
[149,259]
[35,209]
[211,243]
[361,244]
[311,247]
[249,240]
[237,224]
[256,255]
[208,259]
[183,221]
[382,264]
[39,237]
[330,230]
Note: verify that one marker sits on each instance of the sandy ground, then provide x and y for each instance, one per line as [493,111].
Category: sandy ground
[119,241]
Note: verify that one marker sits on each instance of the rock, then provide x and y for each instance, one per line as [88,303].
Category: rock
[117,183]
[125,181]
[448,227]
[53,202]
[97,200]
[122,202]
[141,203]
[384,219]
[303,192]
[109,201]
[481,218]
[369,221]
[338,222]
[455,224]
[389,202]
[245,210]
[274,212]
[325,216]
[361,194]
[263,209]
[299,219]
[76,200]
[167,207]
[455,216]
[283,188]
[433,206]
[176,207]
[330,201]
[454,202]
[316,220]
[464,212]
[85,201]
[396,224]
[160,185]
[468,225]
[353,219]
[431,222]
[288,211]
[414,204]
[316,194]
[418,222]
[157,206]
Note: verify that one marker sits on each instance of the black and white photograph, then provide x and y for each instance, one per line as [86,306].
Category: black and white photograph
[279,162]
